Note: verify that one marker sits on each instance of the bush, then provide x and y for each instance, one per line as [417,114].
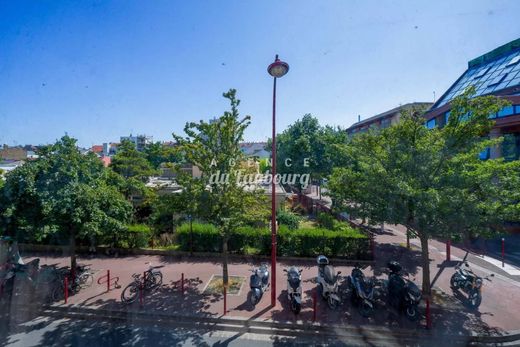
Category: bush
[307,242]
[289,219]
[326,220]
[206,237]
[136,236]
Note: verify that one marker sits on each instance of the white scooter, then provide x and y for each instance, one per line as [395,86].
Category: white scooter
[294,288]
[328,282]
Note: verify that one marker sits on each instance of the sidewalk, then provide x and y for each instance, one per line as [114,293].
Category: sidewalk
[168,300]
[501,297]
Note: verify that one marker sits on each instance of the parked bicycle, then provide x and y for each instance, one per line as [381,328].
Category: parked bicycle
[151,279]
[83,278]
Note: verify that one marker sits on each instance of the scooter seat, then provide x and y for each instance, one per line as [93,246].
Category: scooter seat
[254,281]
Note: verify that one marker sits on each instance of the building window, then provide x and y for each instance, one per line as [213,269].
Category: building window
[511,146]
[385,123]
[431,123]
[514,61]
[484,155]
[496,80]
[517,108]
[506,111]
[446,117]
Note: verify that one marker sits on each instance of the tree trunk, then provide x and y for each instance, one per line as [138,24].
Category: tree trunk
[425,265]
[225,262]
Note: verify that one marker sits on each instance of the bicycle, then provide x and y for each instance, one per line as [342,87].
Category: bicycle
[83,278]
[151,279]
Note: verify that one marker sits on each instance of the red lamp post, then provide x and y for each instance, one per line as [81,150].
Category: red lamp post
[277,70]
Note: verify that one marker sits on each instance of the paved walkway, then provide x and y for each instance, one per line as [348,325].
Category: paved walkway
[501,297]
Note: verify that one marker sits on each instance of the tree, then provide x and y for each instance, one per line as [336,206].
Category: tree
[308,147]
[130,163]
[156,153]
[63,193]
[431,181]
[215,148]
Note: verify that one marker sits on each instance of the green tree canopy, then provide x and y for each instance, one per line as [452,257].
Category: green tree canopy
[431,181]
[215,148]
[307,139]
[62,194]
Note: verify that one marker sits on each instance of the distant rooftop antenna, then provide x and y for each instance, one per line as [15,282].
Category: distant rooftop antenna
[434,96]
[359,118]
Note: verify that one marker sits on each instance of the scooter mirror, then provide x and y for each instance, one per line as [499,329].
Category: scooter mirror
[284,270]
[492,275]
[466,264]
[339,272]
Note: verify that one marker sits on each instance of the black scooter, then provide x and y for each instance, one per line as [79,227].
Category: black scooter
[294,288]
[470,283]
[402,293]
[362,291]
[258,282]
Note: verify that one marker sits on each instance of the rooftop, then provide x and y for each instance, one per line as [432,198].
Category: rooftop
[390,112]
[490,73]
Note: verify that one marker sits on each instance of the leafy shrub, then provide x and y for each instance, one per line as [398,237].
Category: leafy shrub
[307,242]
[136,236]
[326,220]
[206,237]
[289,219]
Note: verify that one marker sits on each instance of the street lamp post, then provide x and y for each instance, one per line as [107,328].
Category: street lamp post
[277,70]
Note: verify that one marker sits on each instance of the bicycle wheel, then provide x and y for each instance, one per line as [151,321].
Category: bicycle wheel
[153,280]
[58,292]
[85,280]
[130,293]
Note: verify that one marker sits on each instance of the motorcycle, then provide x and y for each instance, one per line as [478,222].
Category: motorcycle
[362,291]
[327,282]
[258,282]
[470,283]
[294,288]
[402,293]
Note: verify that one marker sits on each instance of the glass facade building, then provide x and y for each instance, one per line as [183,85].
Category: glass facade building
[494,73]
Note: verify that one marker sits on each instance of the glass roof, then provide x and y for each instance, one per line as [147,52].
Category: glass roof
[488,77]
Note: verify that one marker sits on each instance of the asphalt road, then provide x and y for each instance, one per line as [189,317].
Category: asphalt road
[46,331]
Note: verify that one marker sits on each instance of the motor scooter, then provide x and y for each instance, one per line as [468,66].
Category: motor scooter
[258,282]
[327,282]
[294,288]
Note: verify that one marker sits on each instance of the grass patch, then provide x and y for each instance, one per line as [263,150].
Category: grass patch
[216,285]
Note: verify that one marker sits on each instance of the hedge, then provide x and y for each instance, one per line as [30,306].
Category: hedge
[347,243]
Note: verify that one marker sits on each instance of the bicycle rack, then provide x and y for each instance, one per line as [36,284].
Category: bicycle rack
[109,281]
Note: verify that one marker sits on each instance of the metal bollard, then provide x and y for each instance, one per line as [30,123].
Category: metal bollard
[108,281]
[182,283]
[314,304]
[428,315]
[448,250]
[225,300]
[66,288]
[141,294]
[503,251]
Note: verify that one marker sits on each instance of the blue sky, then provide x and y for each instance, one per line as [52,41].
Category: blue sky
[101,69]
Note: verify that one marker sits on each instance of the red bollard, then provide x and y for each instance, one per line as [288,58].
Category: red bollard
[141,294]
[182,283]
[428,315]
[314,304]
[225,300]
[108,281]
[66,289]
[448,250]
[503,251]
